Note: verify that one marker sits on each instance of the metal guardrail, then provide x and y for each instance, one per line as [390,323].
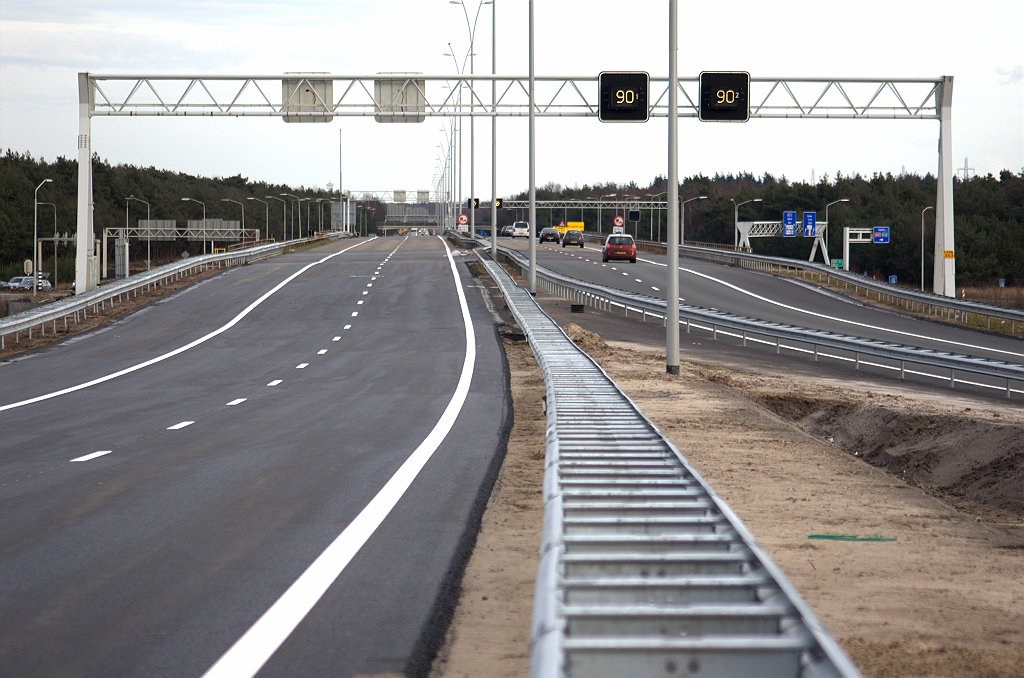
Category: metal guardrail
[644,569]
[109,293]
[753,330]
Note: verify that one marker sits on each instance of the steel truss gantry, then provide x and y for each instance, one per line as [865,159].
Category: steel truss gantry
[390,97]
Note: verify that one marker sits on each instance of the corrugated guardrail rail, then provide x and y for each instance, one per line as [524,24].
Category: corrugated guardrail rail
[895,356]
[644,570]
[109,293]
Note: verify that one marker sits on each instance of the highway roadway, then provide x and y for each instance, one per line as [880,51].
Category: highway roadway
[769,297]
[274,472]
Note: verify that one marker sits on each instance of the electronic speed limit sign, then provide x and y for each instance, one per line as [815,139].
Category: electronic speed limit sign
[724,97]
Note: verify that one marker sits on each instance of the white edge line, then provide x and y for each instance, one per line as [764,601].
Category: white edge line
[93,455]
[170,354]
[250,652]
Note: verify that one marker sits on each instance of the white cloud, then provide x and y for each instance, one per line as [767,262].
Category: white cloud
[1010,77]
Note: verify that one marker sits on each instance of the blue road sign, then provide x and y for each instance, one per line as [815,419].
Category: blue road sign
[892,280]
[880,235]
[789,224]
[810,224]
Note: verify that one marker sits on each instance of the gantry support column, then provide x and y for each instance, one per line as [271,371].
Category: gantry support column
[944,279]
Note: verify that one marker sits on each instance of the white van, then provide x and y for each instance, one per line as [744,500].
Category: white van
[521,228]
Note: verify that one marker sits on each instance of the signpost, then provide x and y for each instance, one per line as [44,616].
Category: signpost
[789,224]
[880,235]
[810,224]
[463,220]
[852,236]
[618,223]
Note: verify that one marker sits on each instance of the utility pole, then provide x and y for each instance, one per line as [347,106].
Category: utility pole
[672,286]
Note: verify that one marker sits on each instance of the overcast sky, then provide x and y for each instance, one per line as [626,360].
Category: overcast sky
[44,43]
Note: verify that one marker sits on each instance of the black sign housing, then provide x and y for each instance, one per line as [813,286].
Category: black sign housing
[623,97]
[724,97]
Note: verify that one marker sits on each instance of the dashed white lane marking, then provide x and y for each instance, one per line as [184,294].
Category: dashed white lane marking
[236,401]
[321,351]
[374,277]
[834,318]
[614,269]
[369,284]
[655,288]
[302,366]
[365,292]
[250,652]
[359,303]
[638,280]
[203,339]
[355,313]
[336,339]
[93,455]
[624,273]
[275,382]
[180,424]
[347,327]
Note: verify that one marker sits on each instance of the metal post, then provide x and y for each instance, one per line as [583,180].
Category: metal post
[672,287]
[846,251]
[944,277]
[922,244]
[84,238]
[532,281]
[494,132]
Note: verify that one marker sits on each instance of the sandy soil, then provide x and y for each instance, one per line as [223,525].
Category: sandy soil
[490,632]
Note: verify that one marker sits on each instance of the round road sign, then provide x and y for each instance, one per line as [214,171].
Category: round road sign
[619,221]
[463,220]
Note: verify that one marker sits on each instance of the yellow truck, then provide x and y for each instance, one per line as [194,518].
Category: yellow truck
[569,226]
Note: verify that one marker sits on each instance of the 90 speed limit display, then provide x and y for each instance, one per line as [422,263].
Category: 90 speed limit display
[623,97]
[724,97]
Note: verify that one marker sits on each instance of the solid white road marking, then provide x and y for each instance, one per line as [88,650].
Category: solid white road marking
[321,351]
[251,651]
[347,327]
[170,354]
[302,366]
[237,401]
[180,424]
[834,318]
[93,455]
[275,382]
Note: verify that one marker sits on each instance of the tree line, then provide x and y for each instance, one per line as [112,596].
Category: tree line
[989,218]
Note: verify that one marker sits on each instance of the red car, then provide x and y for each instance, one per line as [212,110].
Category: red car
[619,246]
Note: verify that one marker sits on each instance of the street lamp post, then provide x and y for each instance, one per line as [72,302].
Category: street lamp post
[835,202]
[922,244]
[204,219]
[35,237]
[40,246]
[736,219]
[600,202]
[651,198]
[266,205]
[284,216]
[682,217]
[242,205]
[292,220]
[149,229]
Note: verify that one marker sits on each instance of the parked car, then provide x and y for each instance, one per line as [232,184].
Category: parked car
[520,229]
[547,234]
[619,246]
[507,231]
[572,237]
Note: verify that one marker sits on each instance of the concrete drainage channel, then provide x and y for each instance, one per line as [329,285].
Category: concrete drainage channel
[644,570]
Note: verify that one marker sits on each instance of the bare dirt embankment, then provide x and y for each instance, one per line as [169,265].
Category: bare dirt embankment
[796,456]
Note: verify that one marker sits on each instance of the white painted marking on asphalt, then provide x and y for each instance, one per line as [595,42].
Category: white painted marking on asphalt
[358,303]
[638,280]
[624,273]
[365,292]
[93,455]
[203,339]
[237,401]
[369,284]
[302,366]
[336,339]
[180,424]
[614,269]
[655,288]
[251,651]
[355,313]
[347,327]
[834,318]
[275,382]
[321,351]
[373,277]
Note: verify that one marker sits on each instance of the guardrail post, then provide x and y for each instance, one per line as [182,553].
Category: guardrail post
[687,325]
[745,340]
[777,346]
[952,378]
[903,374]
[714,331]
[1007,386]
[815,353]
[856,360]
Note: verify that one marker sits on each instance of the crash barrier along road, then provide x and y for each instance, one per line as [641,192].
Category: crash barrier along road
[895,357]
[644,570]
[76,308]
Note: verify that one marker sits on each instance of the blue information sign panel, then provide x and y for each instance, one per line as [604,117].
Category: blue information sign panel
[789,224]
[880,234]
[892,280]
[810,224]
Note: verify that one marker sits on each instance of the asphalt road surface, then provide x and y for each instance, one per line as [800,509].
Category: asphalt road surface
[296,483]
[776,298]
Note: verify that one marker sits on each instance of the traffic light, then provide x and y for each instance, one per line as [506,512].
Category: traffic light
[724,97]
[623,97]
[497,203]
[473,203]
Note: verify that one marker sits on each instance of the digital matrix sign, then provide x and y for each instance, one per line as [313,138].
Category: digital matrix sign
[724,97]
[623,97]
